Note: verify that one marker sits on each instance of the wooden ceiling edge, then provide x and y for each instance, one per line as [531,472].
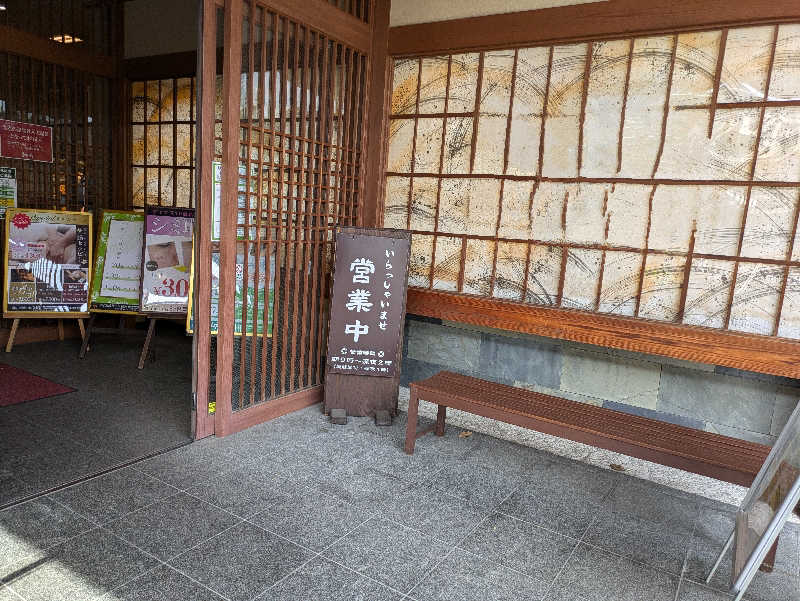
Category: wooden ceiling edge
[749,352]
[581,22]
[16,41]
[326,18]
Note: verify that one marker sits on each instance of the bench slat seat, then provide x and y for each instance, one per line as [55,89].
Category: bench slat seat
[706,453]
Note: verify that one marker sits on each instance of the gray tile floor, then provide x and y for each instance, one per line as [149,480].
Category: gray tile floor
[297,509]
[118,413]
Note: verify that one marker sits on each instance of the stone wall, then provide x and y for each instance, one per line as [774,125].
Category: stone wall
[736,403]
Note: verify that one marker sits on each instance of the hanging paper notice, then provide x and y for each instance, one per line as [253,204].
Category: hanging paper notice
[48,254]
[118,266]
[26,141]
[167,259]
[8,189]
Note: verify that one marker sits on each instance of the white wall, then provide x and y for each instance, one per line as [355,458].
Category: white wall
[407,12]
[160,27]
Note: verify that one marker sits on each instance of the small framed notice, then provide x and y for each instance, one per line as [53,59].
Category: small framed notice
[118,264]
[8,189]
[47,259]
[167,259]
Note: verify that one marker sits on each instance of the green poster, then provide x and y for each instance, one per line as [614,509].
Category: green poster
[117,269]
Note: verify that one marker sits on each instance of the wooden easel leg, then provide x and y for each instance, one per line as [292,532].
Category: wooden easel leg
[61,329]
[87,334]
[146,348]
[12,334]
[82,329]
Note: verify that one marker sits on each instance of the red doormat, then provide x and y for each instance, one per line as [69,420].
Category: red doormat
[18,386]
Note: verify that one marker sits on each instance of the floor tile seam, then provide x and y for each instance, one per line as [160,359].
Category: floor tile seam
[47,549]
[14,593]
[452,550]
[143,508]
[362,575]
[286,577]
[538,525]
[630,559]
[685,562]
[160,562]
[119,517]
[202,542]
[566,563]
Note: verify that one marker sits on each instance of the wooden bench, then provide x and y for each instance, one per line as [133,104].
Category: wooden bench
[697,451]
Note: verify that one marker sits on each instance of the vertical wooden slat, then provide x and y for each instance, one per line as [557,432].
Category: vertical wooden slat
[291,200]
[441,165]
[270,244]
[717,76]
[201,342]
[307,132]
[624,103]
[259,73]
[323,194]
[754,159]
[414,146]
[232,66]
[665,114]
[247,21]
[280,234]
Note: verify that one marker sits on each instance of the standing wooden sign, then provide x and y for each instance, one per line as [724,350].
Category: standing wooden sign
[167,258]
[368,308]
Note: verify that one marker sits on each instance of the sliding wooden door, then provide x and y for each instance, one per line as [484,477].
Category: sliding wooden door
[290,129]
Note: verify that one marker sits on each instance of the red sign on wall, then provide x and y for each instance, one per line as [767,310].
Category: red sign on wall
[26,141]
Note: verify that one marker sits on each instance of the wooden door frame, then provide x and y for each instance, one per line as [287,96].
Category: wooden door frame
[369,39]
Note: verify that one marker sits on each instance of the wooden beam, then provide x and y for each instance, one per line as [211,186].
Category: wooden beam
[377,118]
[601,20]
[162,66]
[263,412]
[23,43]
[327,18]
[748,352]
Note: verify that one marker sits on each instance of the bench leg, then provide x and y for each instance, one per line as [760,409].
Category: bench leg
[440,417]
[411,427]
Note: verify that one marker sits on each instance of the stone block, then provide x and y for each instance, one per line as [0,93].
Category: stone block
[339,417]
[748,435]
[742,403]
[453,348]
[680,420]
[786,401]
[570,396]
[599,375]
[518,360]
[414,370]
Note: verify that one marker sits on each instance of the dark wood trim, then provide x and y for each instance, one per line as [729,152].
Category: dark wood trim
[23,43]
[328,19]
[206,66]
[748,352]
[377,118]
[162,66]
[263,412]
[594,21]
[232,68]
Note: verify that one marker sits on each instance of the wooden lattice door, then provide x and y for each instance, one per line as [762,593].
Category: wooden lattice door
[293,105]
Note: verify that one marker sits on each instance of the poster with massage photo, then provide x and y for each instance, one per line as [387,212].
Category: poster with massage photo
[167,260]
[47,258]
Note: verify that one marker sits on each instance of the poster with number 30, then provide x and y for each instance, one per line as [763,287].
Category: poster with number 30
[167,260]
